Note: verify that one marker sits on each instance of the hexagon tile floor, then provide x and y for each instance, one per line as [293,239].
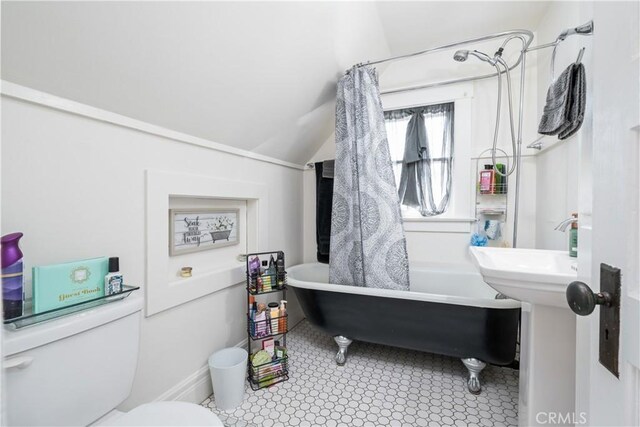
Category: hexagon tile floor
[378,386]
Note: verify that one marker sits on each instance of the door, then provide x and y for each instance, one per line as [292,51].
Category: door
[609,220]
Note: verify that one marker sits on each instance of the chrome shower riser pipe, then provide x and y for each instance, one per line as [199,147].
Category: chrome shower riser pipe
[518,158]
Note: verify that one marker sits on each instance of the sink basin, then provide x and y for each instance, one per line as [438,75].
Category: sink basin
[530,275]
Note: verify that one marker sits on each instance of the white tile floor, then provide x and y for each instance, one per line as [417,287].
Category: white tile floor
[378,386]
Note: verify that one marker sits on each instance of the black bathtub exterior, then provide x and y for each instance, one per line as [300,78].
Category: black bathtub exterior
[488,334]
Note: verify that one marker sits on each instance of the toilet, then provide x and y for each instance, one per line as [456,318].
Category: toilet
[74,371]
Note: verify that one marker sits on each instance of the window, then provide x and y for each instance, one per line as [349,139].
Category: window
[421,143]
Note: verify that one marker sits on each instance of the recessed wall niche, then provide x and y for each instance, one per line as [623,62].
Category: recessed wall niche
[214,269]
[207,257]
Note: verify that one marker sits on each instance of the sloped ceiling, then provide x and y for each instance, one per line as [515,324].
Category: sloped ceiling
[254,75]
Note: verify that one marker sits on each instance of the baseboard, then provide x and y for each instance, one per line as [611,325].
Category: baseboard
[196,387]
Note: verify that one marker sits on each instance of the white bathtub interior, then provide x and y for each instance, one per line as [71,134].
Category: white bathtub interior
[444,283]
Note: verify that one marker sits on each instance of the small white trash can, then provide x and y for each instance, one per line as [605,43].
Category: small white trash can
[228,368]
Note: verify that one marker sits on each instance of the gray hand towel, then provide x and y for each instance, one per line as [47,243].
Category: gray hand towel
[555,116]
[578,102]
[328,167]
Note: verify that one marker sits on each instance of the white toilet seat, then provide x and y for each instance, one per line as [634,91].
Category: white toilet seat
[168,414]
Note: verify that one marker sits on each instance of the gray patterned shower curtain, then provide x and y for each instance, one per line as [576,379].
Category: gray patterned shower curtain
[368,246]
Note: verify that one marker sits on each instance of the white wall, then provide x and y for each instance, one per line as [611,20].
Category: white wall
[424,243]
[557,189]
[76,188]
[252,75]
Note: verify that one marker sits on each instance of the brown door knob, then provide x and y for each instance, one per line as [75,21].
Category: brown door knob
[583,301]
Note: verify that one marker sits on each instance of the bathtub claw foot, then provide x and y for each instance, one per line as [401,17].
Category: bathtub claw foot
[474,366]
[343,345]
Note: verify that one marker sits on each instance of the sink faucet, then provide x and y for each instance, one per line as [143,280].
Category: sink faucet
[564,224]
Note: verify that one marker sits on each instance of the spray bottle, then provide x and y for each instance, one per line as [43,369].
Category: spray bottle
[12,276]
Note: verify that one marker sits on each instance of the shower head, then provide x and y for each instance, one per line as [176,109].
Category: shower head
[462,55]
[584,29]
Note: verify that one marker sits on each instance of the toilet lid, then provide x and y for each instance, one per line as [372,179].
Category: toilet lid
[168,414]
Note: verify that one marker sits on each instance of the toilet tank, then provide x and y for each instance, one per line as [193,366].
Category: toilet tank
[73,370]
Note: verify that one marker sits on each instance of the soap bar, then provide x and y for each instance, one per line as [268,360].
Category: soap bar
[60,285]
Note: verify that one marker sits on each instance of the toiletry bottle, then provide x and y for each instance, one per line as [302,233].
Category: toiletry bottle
[274,314]
[113,280]
[271,271]
[12,276]
[252,301]
[254,274]
[497,180]
[266,283]
[260,322]
[573,237]
[267,312]
[282,325]
[254,312]
[501,180]
[279,351]
[264,275]
[487,180]
[280,269]
[251,313]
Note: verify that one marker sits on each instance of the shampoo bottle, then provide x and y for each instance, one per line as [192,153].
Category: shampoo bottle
[12,276]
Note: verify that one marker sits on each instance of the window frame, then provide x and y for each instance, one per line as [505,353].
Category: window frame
[407,211]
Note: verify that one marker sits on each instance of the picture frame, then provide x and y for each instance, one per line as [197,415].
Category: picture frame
[202,229]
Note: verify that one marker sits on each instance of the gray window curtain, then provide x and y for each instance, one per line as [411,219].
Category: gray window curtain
[425,179]
[368,246]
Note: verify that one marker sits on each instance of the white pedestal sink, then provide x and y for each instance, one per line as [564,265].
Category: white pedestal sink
[539,279]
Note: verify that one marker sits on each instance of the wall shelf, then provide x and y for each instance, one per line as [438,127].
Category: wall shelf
[492,206]
[30,318]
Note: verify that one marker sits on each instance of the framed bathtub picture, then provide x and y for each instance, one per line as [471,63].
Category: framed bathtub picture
[194,230]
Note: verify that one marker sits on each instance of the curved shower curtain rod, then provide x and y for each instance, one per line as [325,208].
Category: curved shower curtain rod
[525,36]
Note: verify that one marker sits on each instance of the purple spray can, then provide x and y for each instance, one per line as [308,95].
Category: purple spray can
[12,276]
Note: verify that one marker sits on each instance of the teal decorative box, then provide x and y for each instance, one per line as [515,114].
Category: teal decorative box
[60,285]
